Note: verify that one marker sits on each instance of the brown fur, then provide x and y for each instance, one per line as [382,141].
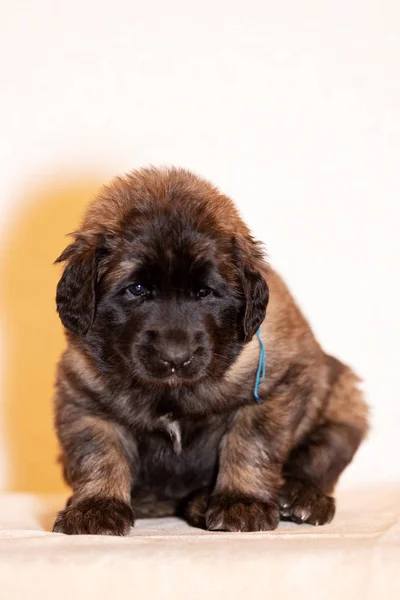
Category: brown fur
[107,473]
[205,449]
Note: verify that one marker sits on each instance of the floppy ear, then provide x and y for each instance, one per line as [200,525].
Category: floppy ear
[255,288]
[76,290]
[256,295]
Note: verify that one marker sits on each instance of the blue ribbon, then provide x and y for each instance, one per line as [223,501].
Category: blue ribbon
[260,376]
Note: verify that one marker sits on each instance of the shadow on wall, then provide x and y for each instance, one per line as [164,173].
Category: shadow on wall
[33,336]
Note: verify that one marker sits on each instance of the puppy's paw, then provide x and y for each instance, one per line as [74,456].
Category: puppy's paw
[305,504]
[96,516]
[195,509]
[227,513]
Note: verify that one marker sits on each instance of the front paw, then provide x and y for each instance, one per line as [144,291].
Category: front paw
[228,513]
[96,516]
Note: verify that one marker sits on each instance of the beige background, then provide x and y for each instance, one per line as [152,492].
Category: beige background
[291,107]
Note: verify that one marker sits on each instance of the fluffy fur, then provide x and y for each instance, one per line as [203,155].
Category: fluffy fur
[162,293]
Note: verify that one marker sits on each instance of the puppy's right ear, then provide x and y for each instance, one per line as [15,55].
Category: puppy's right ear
[76,290]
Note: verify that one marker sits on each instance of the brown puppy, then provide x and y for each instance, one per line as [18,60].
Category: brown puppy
[162,296]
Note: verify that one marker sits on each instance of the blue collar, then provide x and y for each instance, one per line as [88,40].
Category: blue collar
[260,375]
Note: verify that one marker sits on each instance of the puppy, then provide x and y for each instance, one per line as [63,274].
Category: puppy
[160,408]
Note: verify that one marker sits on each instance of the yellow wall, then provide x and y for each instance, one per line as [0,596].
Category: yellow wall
[33,337]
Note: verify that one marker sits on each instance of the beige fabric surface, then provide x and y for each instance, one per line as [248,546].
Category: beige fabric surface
[357,556]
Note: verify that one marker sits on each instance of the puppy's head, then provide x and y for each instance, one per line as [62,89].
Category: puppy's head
[163,283]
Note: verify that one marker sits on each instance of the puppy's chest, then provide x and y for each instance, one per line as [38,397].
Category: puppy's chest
[180,457]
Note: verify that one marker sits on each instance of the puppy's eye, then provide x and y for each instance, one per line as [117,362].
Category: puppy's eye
[203,292]
[136,289]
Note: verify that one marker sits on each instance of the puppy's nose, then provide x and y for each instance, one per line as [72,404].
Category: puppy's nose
[176,355]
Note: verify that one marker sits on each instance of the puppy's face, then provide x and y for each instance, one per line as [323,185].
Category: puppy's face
[169,309]
[166,301]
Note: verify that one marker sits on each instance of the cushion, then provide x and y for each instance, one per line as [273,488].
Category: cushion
[356,556]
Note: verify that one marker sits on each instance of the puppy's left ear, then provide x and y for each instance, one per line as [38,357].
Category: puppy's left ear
[252,269]
[257,296]
[76,290]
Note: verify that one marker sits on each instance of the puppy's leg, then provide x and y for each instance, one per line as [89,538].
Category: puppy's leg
[99,463]
[314,466]
[146,504]
[245,497]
